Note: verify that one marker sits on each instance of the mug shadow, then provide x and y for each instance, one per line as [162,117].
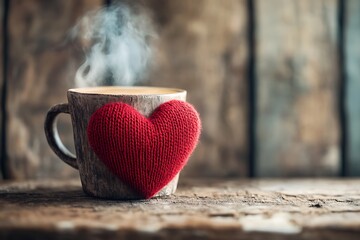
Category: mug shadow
[56,197]
[71,193]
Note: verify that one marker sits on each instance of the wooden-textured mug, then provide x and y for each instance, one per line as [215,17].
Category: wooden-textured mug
[95,177]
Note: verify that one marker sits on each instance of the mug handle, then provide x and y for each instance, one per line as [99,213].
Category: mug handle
[52,135]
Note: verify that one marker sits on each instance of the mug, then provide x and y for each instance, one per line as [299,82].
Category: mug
[96,179]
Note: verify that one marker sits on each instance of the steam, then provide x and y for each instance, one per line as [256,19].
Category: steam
[117,43]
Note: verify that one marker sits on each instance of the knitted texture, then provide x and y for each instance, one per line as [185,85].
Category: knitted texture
[145,153]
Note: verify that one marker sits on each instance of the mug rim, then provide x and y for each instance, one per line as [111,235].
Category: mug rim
[92,90]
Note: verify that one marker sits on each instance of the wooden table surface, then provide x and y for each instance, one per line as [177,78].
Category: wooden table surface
[200,209]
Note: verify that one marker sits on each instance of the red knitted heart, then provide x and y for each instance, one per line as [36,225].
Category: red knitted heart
[145,153]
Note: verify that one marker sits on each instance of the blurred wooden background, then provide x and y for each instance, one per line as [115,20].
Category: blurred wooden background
[276,83]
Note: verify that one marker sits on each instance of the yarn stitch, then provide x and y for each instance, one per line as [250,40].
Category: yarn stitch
[145,153]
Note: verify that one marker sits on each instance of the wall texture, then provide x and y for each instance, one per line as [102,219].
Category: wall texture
[1,87]
[207,48]
[298,81]
[352,60]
